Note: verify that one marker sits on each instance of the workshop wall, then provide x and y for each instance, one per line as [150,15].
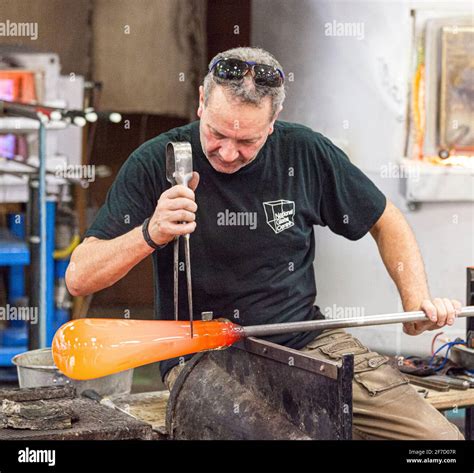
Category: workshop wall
[355,92]
[149,54]
[63,28]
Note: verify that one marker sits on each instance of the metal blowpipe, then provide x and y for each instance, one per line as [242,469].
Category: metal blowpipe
[378,319]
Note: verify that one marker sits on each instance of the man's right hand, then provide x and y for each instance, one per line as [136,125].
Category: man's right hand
[176,205]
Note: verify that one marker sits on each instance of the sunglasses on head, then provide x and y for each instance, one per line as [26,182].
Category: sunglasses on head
[235,69]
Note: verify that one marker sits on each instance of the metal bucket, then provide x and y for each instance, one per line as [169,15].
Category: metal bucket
[36,368]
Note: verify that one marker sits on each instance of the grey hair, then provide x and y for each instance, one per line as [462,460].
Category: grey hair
[246,91]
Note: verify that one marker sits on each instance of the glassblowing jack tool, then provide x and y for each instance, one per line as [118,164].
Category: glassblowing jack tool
[179,171]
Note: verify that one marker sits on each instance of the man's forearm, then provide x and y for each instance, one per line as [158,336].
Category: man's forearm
[402,258]
[97,264]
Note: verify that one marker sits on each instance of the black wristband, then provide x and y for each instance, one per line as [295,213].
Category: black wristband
[147,236]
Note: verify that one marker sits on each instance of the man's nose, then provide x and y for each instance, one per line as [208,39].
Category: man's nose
[228,152]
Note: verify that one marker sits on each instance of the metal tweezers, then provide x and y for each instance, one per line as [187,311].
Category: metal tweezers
[179,170]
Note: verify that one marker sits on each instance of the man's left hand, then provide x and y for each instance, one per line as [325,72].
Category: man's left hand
[439,312]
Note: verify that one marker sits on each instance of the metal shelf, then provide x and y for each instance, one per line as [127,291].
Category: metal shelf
[424,182]
[7,353]
[25,125]
[14,188]
[13,251]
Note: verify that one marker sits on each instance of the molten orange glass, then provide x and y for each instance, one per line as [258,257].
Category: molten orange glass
[91,348]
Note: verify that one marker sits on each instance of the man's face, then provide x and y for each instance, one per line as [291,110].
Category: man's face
[232,133]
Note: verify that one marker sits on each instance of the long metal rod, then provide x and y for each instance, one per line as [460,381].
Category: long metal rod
[42,233]
[31,110]
[176,276]
[19,109]
[308,326]
[33,210]
[187,255]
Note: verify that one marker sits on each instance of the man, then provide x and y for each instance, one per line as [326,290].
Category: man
[265,184]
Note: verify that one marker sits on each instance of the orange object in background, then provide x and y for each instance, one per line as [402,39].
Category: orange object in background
[418,107]
[92,348]
[23,85]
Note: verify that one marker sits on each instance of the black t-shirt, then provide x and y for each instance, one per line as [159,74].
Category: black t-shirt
[253,248]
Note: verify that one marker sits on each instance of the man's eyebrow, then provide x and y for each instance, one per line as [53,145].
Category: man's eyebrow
[215,131]
[254,138]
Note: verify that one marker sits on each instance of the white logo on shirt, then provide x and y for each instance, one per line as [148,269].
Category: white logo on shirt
[280,214]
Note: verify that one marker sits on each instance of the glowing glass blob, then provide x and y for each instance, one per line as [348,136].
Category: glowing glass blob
[91,348]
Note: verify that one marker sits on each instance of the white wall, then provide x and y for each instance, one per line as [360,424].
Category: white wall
[355,92]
